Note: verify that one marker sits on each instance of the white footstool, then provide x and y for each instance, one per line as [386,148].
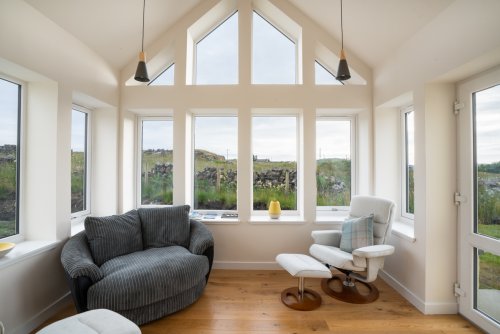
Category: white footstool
[302,266]
[91,322]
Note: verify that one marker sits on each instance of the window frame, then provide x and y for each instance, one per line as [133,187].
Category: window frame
[405,215]
[339,210]
[299,211]
[76,216]
[20,156]
[138,191]
[195,52]
[211,113]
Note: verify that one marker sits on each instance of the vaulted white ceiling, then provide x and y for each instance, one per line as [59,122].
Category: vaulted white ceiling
[373,29]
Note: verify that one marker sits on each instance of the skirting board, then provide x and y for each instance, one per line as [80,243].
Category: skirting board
[235,265]
[42,316]
[425,308]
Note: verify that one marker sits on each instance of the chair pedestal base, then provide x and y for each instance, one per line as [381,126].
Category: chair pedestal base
[307,301]
[349,292]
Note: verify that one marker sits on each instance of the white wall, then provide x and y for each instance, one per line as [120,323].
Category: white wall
[57,70]
[245,245]
[459,42]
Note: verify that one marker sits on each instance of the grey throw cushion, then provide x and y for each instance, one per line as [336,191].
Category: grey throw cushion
[113,236]
[356,233]
[166,226]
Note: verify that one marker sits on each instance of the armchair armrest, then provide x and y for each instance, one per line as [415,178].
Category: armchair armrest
[77,260]
[372,258]
[201,238]
[327,237]
[80,270]
[369,252]
[202,243]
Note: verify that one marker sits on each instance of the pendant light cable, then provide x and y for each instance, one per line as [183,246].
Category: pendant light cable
[343,69]
[143,16]
[341,26]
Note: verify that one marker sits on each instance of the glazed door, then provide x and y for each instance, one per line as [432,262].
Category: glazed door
[479,198]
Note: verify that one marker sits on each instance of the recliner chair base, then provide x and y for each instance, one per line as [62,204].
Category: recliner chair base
[349,292]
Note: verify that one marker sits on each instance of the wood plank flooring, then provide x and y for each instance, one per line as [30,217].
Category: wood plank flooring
[248,302]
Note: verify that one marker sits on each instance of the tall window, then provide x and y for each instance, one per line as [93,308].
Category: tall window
[274,55]
[217,55]
[165,78]
[80,175]
[333,162]
[215,162]
[156,163]
[408,202]
[275,157]
[10,115]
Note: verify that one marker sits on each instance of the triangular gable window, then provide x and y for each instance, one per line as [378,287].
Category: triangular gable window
[274,55]
[323,76]
[166,78]
[217,55]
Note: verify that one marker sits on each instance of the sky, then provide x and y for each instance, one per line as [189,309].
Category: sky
[217,135]
[333,139]
[157,135]
[410,123]
[217,55]
[274,137]
[273,54]
[8,112]
[78,121]
[488,125]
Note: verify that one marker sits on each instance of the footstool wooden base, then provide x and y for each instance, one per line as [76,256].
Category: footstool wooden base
[302,266]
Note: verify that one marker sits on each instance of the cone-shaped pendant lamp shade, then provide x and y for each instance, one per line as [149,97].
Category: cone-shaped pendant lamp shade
[343,70]
[141,74]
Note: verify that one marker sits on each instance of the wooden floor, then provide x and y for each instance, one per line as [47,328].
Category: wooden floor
[242,301]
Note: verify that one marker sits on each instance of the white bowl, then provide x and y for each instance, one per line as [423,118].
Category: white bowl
[6,247]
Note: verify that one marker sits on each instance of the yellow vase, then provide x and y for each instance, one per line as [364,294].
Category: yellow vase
[274,209]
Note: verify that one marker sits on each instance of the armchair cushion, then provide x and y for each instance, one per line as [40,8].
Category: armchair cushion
[357,233]
[113,236]
[162,227]
[148,277]
[336,257]
[327,237]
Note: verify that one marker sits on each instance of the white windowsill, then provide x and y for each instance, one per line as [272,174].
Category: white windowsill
[282,220]
[404,231]
[221,221]
[25,250]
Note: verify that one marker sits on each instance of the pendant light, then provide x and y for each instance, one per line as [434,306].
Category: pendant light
[141,74]
[343,69]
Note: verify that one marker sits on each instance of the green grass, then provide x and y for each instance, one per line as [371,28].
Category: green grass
[331,173]
[489,271]
[7,180]
[77,181]
[222,195]
[489,230]
[7,228]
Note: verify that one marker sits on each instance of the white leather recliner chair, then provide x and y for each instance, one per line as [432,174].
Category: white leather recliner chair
[362,264]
